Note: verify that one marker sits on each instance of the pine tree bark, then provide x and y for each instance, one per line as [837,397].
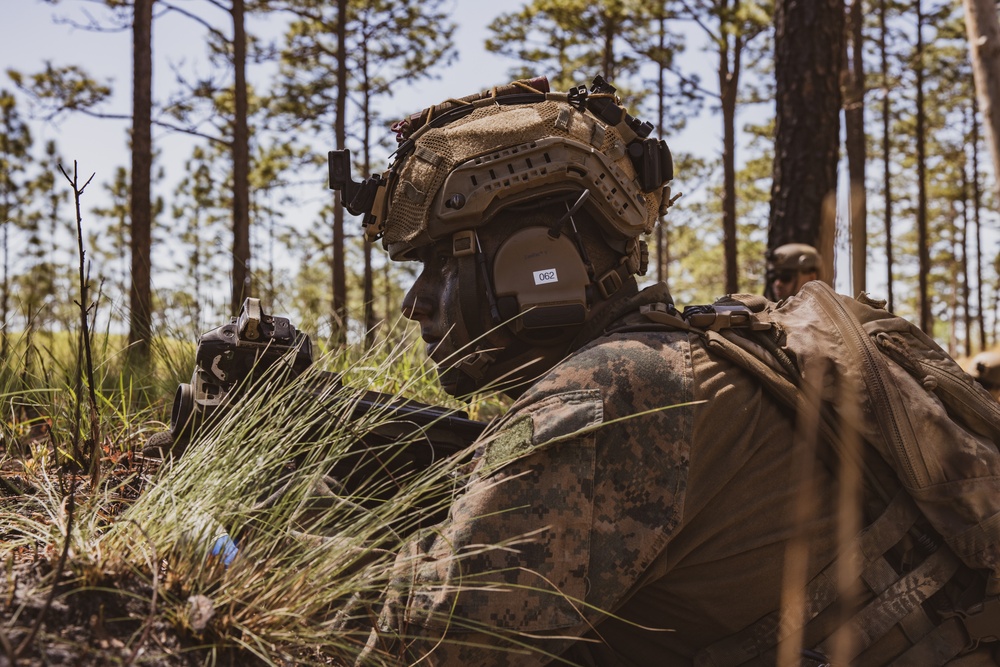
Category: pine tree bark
[964,264]
[886,150]
[242,286]
[368,279]
[809,43]
[662,238]
[730,55]
[140,207]
[923,251]
[854,121]
[976,206]
[339,269]
[983,29]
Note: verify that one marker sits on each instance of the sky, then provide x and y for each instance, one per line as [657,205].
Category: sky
[33,31]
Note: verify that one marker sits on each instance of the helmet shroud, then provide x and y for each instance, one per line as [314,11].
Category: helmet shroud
[461,174]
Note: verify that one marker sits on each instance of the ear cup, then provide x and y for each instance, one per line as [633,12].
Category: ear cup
[545,276]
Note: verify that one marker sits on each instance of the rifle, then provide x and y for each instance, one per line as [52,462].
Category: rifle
[232,360]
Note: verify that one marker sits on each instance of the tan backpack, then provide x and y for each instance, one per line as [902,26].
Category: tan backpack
[931,423]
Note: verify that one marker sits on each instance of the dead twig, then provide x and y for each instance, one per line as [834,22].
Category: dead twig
[95,444]
[8,649]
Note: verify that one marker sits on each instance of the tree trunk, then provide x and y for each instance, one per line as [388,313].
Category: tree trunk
[976,205]
[339,269]
[608,53]
[886,162]
[964,266]
[662,248]
[729,77]
[953,299]
[369,283]
[854,121]
[140,208]
[984,46]
[242,286]
[808,55]
[923,252]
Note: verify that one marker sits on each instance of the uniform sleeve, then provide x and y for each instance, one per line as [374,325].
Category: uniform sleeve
[511,560]
[562,517]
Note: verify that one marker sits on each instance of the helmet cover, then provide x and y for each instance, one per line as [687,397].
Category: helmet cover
[456,176]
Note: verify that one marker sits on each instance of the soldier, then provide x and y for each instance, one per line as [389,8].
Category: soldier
[635,504]
[985,367]
[791,266]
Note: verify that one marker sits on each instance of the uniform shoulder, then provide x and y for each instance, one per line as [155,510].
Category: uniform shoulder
[650,364]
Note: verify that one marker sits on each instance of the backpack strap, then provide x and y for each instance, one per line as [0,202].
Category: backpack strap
[893,598]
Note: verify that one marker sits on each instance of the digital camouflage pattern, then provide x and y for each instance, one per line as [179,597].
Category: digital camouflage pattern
[582,488]
[579,493]
[635,507]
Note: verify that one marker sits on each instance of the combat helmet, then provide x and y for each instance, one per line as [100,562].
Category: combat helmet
[461,163]
[794,257]
[985,367]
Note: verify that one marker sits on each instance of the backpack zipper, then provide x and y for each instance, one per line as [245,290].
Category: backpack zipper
[886,406]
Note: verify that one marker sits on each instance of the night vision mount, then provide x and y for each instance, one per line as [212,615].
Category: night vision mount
[358,198]
[650,157]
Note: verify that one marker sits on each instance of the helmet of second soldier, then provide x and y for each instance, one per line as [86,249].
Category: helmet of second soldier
[985,367]
[794,256]
[790,266]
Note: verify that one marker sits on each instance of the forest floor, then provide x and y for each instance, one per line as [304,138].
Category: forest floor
[52,613]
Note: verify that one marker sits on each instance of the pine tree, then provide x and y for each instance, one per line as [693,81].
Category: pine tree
[730,26]
[571,41]
[15,146]
[809,42]
[385,44]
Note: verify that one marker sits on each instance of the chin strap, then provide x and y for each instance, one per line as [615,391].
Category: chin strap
[469,374]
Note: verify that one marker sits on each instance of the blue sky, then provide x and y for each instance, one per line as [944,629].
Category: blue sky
[34,31]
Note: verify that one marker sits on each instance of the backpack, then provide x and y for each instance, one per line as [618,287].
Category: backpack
[933,426]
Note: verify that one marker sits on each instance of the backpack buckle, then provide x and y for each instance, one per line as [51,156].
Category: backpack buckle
[981,621]
[716,317]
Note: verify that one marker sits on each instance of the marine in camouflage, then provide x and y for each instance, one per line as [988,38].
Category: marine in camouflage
[637,503]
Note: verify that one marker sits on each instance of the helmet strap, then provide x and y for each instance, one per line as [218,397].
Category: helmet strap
[469,373]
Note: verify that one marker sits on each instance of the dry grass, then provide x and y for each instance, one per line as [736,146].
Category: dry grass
[123,572]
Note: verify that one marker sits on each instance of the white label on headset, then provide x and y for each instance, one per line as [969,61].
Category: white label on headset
[545,276]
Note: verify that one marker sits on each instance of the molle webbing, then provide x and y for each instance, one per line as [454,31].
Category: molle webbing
[937,430]
[892,599]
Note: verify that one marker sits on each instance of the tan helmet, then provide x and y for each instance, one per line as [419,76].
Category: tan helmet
[985,367]
[515,149]
[794,257]
[461,162]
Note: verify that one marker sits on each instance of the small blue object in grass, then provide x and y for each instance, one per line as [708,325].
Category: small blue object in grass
[225,548]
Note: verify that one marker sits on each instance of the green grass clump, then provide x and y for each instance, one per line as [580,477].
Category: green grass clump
[294,475]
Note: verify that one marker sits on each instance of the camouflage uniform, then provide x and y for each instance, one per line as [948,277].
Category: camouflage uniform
[635,505]
[641,498]
[605,488]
